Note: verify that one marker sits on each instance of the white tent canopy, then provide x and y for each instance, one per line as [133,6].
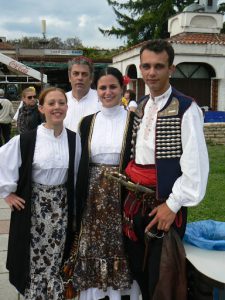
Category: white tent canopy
[21,68]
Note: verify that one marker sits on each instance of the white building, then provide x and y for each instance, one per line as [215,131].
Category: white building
[199,55]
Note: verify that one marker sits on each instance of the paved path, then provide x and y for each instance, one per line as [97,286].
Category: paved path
[7,291]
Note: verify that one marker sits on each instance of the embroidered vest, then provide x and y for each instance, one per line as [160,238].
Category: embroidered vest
[168,145]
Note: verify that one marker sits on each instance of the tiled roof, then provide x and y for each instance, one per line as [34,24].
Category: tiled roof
[6,46]
[189,38]
[198,38]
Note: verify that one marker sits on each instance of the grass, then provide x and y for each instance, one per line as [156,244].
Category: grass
[213,204]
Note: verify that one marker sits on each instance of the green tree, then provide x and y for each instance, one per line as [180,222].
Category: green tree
[73,43]
[142,20]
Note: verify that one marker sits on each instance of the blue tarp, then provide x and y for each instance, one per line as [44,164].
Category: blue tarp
[207,234]
[214,116]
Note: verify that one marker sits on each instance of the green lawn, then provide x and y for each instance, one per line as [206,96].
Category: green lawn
[213,205]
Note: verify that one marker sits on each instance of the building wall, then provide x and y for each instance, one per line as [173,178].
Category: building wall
[215,133]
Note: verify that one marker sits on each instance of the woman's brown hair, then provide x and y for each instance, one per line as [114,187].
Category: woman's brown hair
[45,92]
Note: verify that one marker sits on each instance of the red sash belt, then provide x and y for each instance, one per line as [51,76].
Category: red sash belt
[138,204]
[142,174]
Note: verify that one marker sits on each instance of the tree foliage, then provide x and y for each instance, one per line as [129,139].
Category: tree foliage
[94,53]
[142,20]
[52,43]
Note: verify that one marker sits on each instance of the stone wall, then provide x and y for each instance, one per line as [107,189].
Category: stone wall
[215,133]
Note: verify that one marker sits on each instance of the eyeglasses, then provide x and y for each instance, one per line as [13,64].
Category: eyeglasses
[30,97]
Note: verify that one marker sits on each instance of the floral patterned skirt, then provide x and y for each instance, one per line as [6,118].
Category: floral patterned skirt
[100,260]
[48,233]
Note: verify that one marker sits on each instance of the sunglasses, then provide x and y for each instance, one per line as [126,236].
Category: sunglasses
[30,97]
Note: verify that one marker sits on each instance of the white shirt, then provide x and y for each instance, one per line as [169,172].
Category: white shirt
[17,112]
[189,189]
[107,137]
[7,111]
[77,109]
[50,162]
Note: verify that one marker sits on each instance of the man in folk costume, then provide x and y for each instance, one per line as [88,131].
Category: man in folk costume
[168,155]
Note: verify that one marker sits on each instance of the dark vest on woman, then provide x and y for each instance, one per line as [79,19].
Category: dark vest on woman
[18,259]
[86,128]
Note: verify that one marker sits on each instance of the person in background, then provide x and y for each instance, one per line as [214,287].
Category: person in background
[6,116]
[29,117]
[82,100]
[130,96]
[98,264]
[169,157]
[21,104]
[37,180]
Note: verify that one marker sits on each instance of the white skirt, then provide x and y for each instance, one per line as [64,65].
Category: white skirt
[96,294]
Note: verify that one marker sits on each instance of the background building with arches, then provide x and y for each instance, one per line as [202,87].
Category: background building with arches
[199,56]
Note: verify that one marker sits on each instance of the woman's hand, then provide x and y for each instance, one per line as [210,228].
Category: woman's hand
[14,201]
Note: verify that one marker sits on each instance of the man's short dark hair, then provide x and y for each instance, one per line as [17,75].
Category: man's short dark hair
[159,46]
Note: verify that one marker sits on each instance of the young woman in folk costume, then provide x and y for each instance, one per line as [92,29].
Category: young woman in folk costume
[37,179]
[98,266]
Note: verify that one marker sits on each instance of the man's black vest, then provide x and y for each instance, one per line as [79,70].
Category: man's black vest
[168,145]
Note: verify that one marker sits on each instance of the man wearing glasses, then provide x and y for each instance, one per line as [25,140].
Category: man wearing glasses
[29,116]
[82,100]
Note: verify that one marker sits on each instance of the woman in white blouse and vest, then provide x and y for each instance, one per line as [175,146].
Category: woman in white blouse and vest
[37,171]
[99,263]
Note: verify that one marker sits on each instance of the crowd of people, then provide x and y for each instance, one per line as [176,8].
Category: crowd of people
[99,204]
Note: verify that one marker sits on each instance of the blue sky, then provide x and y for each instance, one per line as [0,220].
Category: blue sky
[64,19]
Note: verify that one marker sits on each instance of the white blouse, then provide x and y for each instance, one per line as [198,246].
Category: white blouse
[107,137]
[50,162]
[189,189]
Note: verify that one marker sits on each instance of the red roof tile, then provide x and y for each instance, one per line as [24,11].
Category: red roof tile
[189,38]
[6,46]
[198,38]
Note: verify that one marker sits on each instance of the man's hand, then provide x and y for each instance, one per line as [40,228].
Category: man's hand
[163,217]
[14,201]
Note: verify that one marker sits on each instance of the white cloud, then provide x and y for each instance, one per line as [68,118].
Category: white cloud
[82,21]
[70,18]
